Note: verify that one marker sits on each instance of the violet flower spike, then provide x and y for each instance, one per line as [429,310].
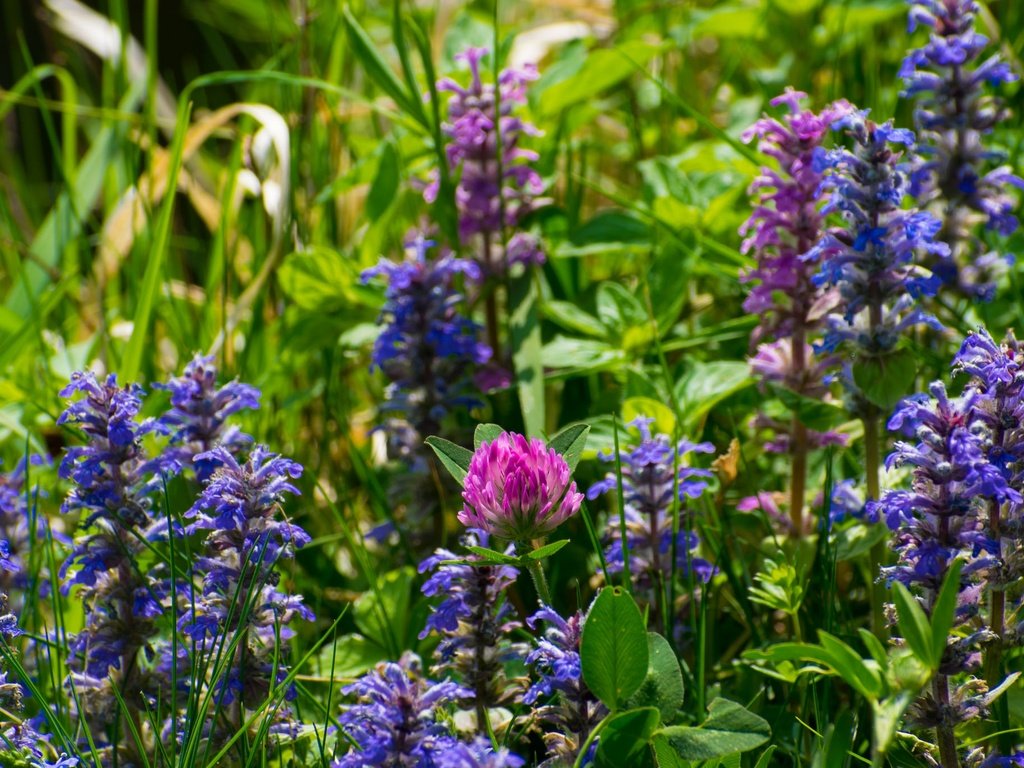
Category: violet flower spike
[648,483]
[571,710]
[956,109]
[476,623]
[497,188]
[872,259]
[198,418]
[427,346]
[394,720]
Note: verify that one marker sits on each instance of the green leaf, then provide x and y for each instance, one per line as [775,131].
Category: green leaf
[663,685]
[865,679]
[913,624]
[581,355]
[625,740]
[366,51]
[766,757]
[886,379]
[524,329]
[838,743]
[613,649]
[486,433]
[664,418]
[547,550]
[570,443]
[813,414]
[729,728]
[619,310]
[602,69]
[664,754]
[492,556]
[350,656]
[316,279]
[943,611]
[385,184]
[382,615]
[572,318]
[454,457]
[706,384]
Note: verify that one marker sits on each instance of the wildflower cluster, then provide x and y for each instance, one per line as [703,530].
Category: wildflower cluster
[113,479]
[240,606]
[427,345]
[497,185]
[955,172]
[872,259]
[655,546]
[572,711]
[963,474]
[395,722]
[198,419]
[476,623]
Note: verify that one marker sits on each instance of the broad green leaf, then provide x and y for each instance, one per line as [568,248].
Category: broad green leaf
[874,646]
[886,379]
[619,310]
[384,188]
[603,68]
[730,727]
[913,624]
[944,610]
[492,556]
[665,755]
[625,740]
[706,384]
[570,443]
[572,318]
[813,414]
[454,457]
[581,355]
[613,649]
[350,656]
[366,51]
[486,433]
[730,22]
[547,550]
[524,329]
[382,615]
[315,280]
[863,676]
[663,685]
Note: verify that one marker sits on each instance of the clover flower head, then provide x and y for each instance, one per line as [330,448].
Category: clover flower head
[518,489]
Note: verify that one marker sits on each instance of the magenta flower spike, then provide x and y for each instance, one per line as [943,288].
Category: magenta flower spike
[518,489]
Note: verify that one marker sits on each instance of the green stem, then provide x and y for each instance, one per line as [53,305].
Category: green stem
[872,462]
[585,747]
[540,581]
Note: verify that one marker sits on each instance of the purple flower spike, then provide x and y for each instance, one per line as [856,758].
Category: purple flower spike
[572,711]
[497,185]
[786,222]
[475,622]
[197,420]
[951,83]
[872,258]
[395,720]
[427,347]
[518,489]
[649,478]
